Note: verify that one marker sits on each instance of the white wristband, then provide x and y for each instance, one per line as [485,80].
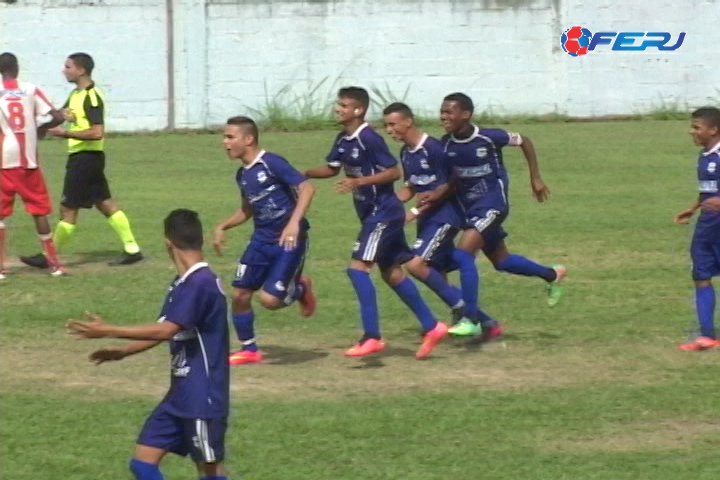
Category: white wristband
[415,211]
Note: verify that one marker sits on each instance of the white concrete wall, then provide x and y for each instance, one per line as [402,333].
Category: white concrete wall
[230,53]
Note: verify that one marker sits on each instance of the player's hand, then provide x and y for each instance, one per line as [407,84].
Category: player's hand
[68,115]
[426,198]
[95,328]
[539,189]
[683,218]
[346,185]
[219,241]
[57,132]
[107,355]
[712,204]
[289,236]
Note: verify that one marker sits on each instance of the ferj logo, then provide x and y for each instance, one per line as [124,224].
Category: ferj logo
[577,41]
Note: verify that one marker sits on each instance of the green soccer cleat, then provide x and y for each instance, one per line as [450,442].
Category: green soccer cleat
[554,288]
[465,328]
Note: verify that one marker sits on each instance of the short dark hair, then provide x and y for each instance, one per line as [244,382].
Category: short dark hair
[358,94]
[83,60]
[248,125]
[711,115]
[399,107]
[8,64]
[462,100]
[184,230]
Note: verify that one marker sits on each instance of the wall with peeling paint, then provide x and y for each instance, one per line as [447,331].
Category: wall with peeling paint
[232,55]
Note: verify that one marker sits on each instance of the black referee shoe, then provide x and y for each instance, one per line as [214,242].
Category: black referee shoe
[37,261]
[126,259]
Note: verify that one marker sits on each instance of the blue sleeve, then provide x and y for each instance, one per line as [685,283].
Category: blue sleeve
[378,150]
[186,307]
[282,170]
[498,136]
[333,158]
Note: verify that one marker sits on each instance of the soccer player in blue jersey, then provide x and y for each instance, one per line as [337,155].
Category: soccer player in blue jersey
[370,171]
[192,417]
[481,181]
[276,196]
[705,246]
[426,172]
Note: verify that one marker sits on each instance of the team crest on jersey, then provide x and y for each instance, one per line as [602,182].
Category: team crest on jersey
[261,176]
[355,153]
[712,166]
[481,152]
[341,150]
[424,163]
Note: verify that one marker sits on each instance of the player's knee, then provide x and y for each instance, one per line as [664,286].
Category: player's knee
[241,298]
[269,301]
[416,266]
[393,275]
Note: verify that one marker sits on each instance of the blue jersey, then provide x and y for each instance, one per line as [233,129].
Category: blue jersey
[708,173]
[362,154]
[425,170]
[268,184]
[199,371]
[477,165]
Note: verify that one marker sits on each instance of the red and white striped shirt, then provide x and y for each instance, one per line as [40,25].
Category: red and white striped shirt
[20,105]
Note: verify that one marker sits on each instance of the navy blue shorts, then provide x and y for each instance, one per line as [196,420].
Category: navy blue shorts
[202,439]
[435,244]
[268,266]
[382,243]
[705,253]
[487,220]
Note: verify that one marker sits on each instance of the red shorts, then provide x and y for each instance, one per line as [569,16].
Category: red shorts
[29,184]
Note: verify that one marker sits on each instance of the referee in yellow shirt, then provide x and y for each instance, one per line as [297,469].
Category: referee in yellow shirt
[85,184]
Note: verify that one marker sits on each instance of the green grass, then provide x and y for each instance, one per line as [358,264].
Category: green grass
[592,389]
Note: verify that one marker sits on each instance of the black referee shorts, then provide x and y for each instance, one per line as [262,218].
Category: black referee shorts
[85,183]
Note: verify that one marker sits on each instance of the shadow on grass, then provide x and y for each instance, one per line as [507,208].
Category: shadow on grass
[282,355]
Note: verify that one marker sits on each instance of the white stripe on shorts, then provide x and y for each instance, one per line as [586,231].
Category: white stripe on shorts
[373,241]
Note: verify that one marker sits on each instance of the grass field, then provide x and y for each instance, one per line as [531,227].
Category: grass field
[592,389]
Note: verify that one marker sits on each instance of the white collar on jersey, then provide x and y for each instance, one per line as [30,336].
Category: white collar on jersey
[356,132]
[715,149]
[256,160]
[476,132]
[420,144]
[192,270]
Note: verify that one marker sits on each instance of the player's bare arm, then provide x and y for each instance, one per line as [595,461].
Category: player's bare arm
[406,193]
[326,171]
[57,120]
[97,328]
[712,204]
[112,354]
[539,189]
[95,132]
[289,235]
[683,218]
[390,175]
[440,193]
[241,215]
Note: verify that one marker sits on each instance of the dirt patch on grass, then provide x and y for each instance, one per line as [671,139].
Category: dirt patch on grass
[292,370]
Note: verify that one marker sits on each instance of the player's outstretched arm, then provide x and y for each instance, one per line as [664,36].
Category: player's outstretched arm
[97,328]
[241,215]
[326,171]
[57,120]
[539,189]
[389,175]
[118,353]
[95,132]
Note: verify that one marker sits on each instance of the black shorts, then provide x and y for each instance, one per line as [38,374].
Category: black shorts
[85,182]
